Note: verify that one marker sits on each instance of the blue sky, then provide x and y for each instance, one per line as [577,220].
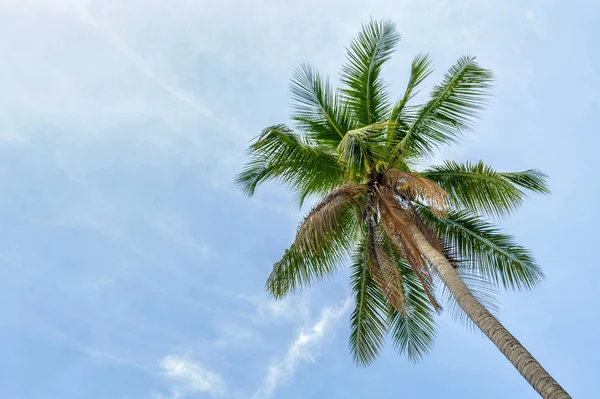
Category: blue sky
[132,268]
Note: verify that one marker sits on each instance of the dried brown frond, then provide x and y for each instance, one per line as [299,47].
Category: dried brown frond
[428,231]
[384,270]
[420,268]
[414,187]
[323,217]
[395,221]
[434,239]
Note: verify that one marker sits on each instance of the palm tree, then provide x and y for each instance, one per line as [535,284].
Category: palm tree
[414,238]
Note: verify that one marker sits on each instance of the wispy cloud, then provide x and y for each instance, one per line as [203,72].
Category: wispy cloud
[300,349]
[189,377]
[111,36]
[266,311]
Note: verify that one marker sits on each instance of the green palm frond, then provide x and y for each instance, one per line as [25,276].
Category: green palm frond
[323,241]
[479,188]
[362,148]
[365,90]
[413,334]
[419,71]
[531,179]
[367,323]
[451,110]
[487,251]
[280,154]
[318,109]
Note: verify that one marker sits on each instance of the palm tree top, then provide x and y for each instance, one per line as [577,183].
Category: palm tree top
[354,150]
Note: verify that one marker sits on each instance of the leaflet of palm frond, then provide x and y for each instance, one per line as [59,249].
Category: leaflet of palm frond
[384,270]
[395,220]
[414,187]
[324,217]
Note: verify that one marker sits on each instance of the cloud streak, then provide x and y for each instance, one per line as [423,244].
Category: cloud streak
[190,377]
[140,63]
[300,349]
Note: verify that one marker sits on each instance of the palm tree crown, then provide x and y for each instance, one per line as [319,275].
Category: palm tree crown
[357,154]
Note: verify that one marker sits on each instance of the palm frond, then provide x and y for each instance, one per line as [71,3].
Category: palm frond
[382,266]
[412,187]
[486,251]
[367,322]
[365,90]
[413,334]
[419,71]
[395,221]
[326,216]
[318,109]
[479,188]
[323,240]
[280,154]
[362,148]
[531,179]
[450,112]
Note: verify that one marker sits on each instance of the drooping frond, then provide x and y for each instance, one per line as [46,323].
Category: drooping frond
[367,322]
[281,154]
[453,106]
[419,71]
[395,219]
[362,148]
[487,251]
[413,334]
[479,188]
[413,187]
[325,237]
[383,267]
[318,109]
[325,216]
[361,74]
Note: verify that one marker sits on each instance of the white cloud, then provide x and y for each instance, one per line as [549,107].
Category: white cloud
[190,377]
[300,349]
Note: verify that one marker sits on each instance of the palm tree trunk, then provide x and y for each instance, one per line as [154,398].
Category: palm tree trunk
[514,351]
